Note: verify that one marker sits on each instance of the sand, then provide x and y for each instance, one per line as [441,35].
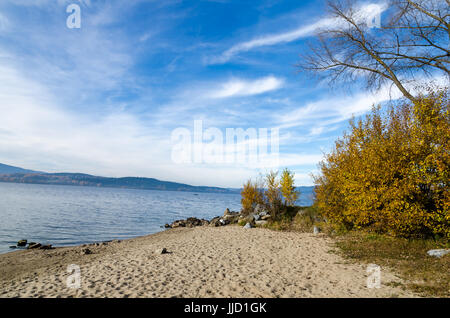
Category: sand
[202,262]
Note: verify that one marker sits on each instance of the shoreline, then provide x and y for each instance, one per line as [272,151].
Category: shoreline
[204,261]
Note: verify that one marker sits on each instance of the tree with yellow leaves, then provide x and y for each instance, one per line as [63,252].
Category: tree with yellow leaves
[251,195]
[288,190]
[273,193]
[391,172]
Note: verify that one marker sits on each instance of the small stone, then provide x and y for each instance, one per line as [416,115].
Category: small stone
[248,226]
[162,251]
[439,252]
[316,230]
[86,251]
[22,243]
[167,226]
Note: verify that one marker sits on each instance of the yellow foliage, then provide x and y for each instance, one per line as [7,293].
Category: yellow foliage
[269,193]
[391,171]
[273,194]
[287,187]
[251,195]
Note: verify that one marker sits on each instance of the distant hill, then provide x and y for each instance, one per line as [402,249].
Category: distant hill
[79,179]
[19,175]
[5,169]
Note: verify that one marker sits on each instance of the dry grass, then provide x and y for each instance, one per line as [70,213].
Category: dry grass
[300,219]
[429,276]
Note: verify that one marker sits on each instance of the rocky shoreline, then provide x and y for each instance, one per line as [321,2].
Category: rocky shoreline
[258,218]
[24,244]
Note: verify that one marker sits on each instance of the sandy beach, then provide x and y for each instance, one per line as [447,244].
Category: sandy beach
[201,262]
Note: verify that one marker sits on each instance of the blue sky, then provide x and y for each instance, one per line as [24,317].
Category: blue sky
[105,98]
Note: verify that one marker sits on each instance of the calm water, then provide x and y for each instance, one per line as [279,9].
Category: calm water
[71,215]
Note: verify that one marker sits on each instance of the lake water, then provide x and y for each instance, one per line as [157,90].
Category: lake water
[72,215]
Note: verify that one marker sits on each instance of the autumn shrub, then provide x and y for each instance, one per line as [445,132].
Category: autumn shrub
[273,194]
[390,172]
[251,196]
[287,187]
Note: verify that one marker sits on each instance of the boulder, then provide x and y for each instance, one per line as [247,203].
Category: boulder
[192,222]
[439,252]
[48,247]
[13,246]
[34,246]
[256,217]
[258,209]
[231,218]
[248,225]
[231,213]
[167,226]
[215,221]
[265,217]
[261,222]
[22,243]
[178,223]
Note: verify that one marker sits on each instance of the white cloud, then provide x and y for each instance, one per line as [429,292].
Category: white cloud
[239,87]
[268,40]
[329,110]
[364,13]
[37,133]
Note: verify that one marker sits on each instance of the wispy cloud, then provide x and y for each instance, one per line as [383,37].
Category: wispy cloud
[268,40]
[331,110]
[364,12]
[240,87]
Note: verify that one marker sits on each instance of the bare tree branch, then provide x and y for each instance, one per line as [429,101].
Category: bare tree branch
[413,39]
